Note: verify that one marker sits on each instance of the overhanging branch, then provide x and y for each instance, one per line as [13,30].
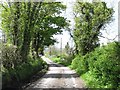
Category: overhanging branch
[109,38]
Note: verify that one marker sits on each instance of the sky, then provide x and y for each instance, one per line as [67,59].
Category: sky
[110,32]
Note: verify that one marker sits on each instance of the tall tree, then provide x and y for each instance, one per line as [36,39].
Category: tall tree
[11,22]
[32,23]
[49,25]
[89,20]
[32,10]
[18,20]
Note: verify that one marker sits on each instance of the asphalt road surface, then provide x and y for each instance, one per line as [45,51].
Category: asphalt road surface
[58,77]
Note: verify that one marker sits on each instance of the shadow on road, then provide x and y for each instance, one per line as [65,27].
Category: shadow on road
[59,75]
[55,65]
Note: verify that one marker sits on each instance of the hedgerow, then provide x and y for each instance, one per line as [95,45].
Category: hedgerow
[14,71]
[100,68]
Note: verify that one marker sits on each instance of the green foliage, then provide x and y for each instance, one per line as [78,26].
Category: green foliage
[10,56]
[31,25]
[75,63]
[67,59]
[91,80]
[64,59]
[80,64]
[90,18]
[50,24]
[106,64]
[12,24]
[22,72]
[56,59]
[101,67]
[14,71]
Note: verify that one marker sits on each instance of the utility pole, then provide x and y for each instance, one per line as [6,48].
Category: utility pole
[61,47]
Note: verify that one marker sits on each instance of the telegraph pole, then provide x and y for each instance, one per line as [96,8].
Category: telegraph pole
[61,47]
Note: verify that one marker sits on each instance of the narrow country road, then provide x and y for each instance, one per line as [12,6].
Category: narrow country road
[58,77]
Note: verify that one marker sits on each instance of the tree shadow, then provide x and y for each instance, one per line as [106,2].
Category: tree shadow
[55,65]
[59,75]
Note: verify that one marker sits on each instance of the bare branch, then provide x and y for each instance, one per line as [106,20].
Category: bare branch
[75,14]
[4,7]
[108,38]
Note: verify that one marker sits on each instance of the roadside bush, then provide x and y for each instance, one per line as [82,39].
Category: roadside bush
[104,62]
[80,64]
[26,70]
[14,71]
[10,56]
[22,72]
[100,68]
[67,59]
[56,59]
[64,59]
[75,62]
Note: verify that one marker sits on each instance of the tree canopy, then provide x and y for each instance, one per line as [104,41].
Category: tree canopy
[31,25]
[90,18]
